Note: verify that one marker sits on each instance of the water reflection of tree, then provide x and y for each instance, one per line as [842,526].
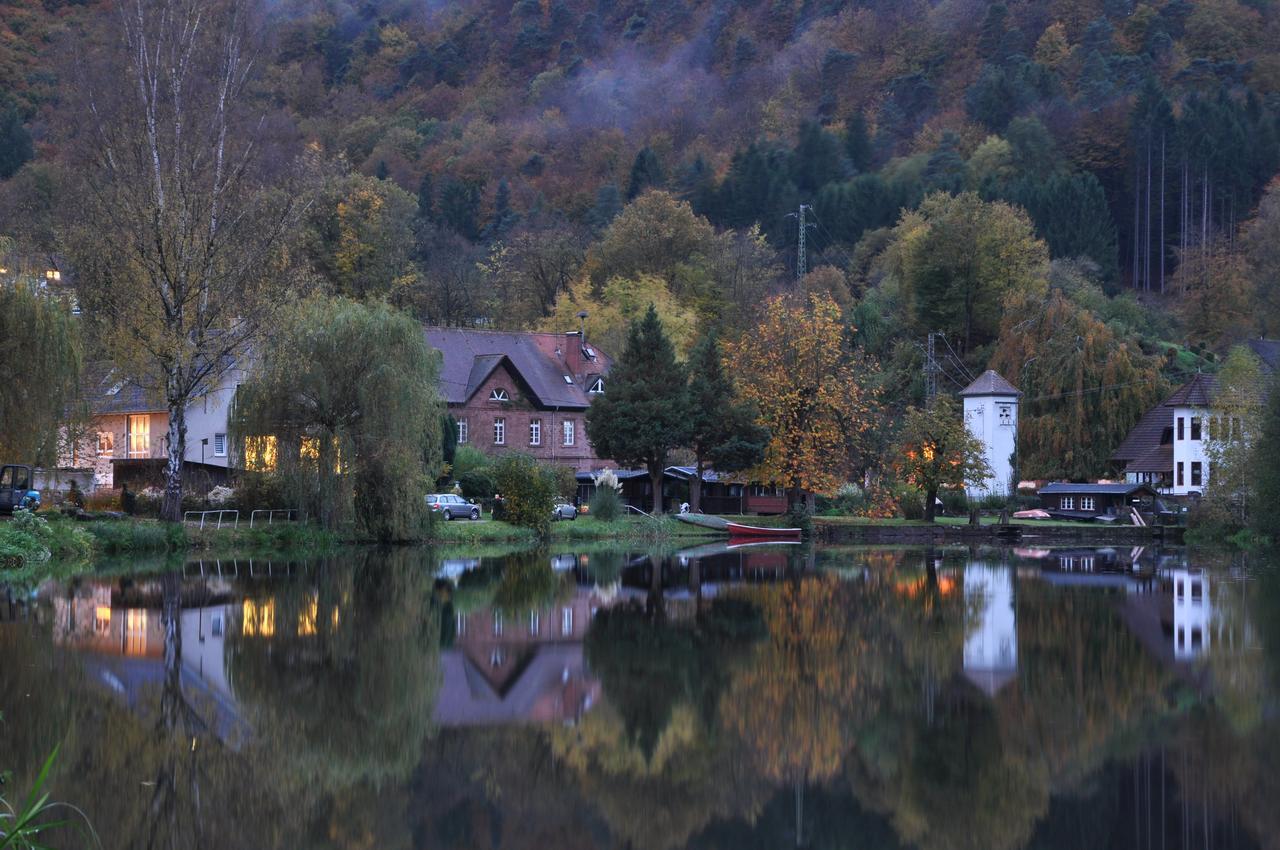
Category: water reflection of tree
[343,689]
[655,745]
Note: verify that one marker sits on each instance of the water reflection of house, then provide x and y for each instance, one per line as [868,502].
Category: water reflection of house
[124,646]
[1191,614]
[509,667]
[991,629]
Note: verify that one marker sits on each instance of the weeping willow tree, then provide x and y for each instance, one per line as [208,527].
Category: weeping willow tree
[1083,387]
[41,352]
[339,407]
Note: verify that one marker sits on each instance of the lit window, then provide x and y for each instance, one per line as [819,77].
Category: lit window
[499,432]
[135,631]
[568,432]
[260,454]
[258,619]
[598,387]
[106,442]
[219,445]
[139,428]
[499,394]
[535,432]
[102,620]
[462,431]
[52,274]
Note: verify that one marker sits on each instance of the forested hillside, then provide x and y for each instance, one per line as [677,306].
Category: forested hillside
[963,166]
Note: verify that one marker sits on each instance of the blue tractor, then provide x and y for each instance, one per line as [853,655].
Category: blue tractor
[16,490]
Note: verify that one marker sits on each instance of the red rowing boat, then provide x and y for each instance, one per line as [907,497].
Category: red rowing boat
[757,531]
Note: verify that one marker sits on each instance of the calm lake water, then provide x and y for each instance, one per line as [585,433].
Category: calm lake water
[762,697]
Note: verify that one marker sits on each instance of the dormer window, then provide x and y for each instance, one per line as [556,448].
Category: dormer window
[597,387]
[499,394]
[568,380]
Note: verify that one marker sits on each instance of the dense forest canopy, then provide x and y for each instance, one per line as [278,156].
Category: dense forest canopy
[511,164]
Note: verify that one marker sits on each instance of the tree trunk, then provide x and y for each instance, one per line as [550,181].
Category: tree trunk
[695,487]
[930,498]
[171,509]
[655,481]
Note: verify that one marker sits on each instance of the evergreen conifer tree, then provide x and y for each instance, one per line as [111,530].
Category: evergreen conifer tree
[644,414]
[723,429]
[646,173]
[857,143]
[15,143]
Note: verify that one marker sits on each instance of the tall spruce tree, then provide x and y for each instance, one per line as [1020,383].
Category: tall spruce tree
[646,173]
[15,143]
[644,414]
[723,429]
[857,143]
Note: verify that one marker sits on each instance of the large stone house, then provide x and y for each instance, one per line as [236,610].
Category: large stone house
[521,392]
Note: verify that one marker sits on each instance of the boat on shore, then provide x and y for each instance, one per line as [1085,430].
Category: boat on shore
[738,530]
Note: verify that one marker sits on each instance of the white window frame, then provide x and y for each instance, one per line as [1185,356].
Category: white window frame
[219,445]
[1087,503]
[500,431]
[499,394]
[569,430]
[535,432]
[1006,414]
[597,387]
[463,432]
[110,448]
[1067,503]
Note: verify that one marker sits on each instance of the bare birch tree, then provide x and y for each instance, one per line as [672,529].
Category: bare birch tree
[178,235]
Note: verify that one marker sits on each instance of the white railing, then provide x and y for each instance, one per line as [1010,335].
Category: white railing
[634,509]
[290,514]
[204,515]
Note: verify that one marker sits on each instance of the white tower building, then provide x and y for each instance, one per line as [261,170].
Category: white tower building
[991,415]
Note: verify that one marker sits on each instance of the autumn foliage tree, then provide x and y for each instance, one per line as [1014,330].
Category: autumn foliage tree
[938,451]
[1084,387]
[958,257]
[798,368]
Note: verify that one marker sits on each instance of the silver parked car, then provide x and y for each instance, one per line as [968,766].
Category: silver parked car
[450,506]
[563,510]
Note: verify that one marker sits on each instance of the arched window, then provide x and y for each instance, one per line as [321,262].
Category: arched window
[499,394]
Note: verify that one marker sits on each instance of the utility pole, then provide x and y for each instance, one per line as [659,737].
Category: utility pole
[931,370]
[801,262]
